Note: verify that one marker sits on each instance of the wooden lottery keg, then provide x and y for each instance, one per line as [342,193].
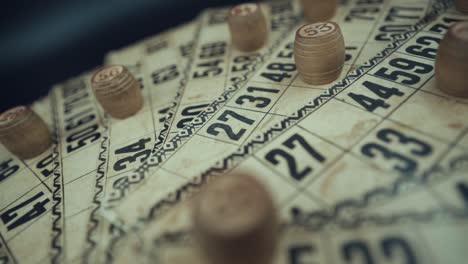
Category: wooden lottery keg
[24,133]
[117,91]
[319,52]
[248,27]
[319,10]
[451,66]
[235,221]
[462,6]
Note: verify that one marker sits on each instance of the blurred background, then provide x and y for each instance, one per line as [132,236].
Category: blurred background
[45,42]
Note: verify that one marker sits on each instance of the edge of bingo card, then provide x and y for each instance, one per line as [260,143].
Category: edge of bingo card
[249,148]
[98,201]
[163,149]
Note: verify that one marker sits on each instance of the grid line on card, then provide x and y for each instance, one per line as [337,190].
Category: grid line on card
[9,255]
[226,164]
[191,128]
[37,176]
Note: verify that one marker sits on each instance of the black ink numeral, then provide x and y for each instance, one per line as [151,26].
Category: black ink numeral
[260,102]
[165,74]
[7,169]
[421,50]
[45,165]
[138,149]
[290,143]
[13,220]
[371,104]
[391,247]
[404,76]
[213,129]
[406,165]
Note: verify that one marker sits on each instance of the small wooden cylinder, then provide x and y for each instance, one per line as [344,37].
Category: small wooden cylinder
[451,66]
[24,133]
[462,6]
[117,91]
[319,52]
[235,221]
[319,10]
[248,27]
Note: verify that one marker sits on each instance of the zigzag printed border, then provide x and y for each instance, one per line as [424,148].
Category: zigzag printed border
[95,216]
[186,190]
[57,208]
[121,186]
[169,118]
[99,188]
[317,221]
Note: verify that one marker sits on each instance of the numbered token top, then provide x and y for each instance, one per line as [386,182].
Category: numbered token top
[112,80]
[14,117]
[117,91]
[23,132]
[107,74]
[244,9]
[317,30]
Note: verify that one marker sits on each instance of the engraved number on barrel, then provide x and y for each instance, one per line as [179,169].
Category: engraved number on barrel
[244,9]
[405,164]
[224,117]
[275,155]
[317,29]
[12,218]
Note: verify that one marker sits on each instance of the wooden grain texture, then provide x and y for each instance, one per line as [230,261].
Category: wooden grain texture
[235,221]
[24,133]
[318,10]
[462,6]
[117,91]
[451,65]
[319,52]
[248,27]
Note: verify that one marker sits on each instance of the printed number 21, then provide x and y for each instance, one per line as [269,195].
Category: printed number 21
[274,155]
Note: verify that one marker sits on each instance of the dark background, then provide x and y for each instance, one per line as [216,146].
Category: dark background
[43,42]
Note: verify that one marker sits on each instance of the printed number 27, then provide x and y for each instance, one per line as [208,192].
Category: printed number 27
[274,156]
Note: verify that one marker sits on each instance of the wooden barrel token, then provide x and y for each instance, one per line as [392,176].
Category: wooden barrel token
[235,221]
[248,27]
[451,66]
[24,133]
[319,10]
[462,6]
[117,91]
[319,52]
